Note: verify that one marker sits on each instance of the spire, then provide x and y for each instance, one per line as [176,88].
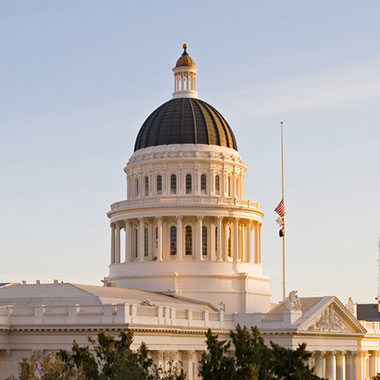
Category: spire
[185,76]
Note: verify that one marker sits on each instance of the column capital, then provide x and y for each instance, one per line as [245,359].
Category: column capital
[340,354]
[179,217]
[200,217]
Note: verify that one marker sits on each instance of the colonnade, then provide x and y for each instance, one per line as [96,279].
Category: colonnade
[346,365]
[190,360]
[208,238]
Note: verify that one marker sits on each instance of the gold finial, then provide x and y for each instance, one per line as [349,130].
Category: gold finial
[185,46]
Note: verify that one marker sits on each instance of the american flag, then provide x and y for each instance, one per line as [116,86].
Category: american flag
[280,209]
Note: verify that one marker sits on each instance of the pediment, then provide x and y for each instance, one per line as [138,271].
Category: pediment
[331,316]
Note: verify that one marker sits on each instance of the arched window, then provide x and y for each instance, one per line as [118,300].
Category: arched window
[188,240]
[203,184]
[173,184]
[146,242]
[217,184]
[229,232]
[146,190]
[159,184]
[204,240]
[137,187]
[188,184]
[173,240]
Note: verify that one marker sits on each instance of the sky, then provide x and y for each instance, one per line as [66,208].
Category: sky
[78,79]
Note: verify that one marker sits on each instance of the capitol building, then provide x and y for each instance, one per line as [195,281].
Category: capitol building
[185,256]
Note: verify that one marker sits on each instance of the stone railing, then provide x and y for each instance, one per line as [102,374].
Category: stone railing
[372,327]
[135,315]
[185,200]
[132,314]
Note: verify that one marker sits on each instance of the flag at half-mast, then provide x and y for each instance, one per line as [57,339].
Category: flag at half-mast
[280,209]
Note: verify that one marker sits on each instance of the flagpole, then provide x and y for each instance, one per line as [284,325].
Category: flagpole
[283,199]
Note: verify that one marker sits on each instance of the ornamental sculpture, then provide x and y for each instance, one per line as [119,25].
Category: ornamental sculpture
[294,303]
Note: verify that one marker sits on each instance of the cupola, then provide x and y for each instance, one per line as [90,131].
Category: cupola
[185,76]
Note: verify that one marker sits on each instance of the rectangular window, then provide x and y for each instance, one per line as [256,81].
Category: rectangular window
[146,186]
[173,240]
[136,242]
[188,184]
[173,184]
[203,184]
[216,239]
[204,241]
[188,241]
[159,184]
[146,242]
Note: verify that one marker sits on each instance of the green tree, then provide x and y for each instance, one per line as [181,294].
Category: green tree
[252,359]
[107,358]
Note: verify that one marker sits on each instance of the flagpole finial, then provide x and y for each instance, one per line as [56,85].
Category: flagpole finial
[281,122]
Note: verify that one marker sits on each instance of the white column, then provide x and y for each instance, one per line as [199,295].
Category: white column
[159,242]
[349,366]
[318,367]
[236,240]
[198,249]
[112,243]
[140,254]
[340,366]
[354,365]
[330,366]
[219,239]
[117,244]
[250,258]
[179,238]
[259,245]
[372,364]
[128,257]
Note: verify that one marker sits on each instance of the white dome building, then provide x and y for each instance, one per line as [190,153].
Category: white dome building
[185,257]
[187,226]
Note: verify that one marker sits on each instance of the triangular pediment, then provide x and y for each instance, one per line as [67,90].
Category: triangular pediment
[330,316]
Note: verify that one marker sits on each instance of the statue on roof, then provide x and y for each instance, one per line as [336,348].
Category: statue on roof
[293,303]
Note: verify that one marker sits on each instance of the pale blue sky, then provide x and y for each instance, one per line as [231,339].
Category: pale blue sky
[78,78]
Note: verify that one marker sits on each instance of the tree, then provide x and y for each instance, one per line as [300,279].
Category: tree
[108,358]
[252,359]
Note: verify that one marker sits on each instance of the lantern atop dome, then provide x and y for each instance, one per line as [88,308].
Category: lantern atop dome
[185,76]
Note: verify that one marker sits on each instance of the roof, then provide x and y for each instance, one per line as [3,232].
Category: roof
[67,294]
[185,59]
[326,314]
[368,312]
[306,304]
[185,121]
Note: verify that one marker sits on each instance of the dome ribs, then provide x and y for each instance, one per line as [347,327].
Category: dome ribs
[163,128]
[218,137]
[145,129]
[227,130]
[195,134]
[185,121]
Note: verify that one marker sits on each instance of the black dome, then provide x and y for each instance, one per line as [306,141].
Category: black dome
[185,121]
